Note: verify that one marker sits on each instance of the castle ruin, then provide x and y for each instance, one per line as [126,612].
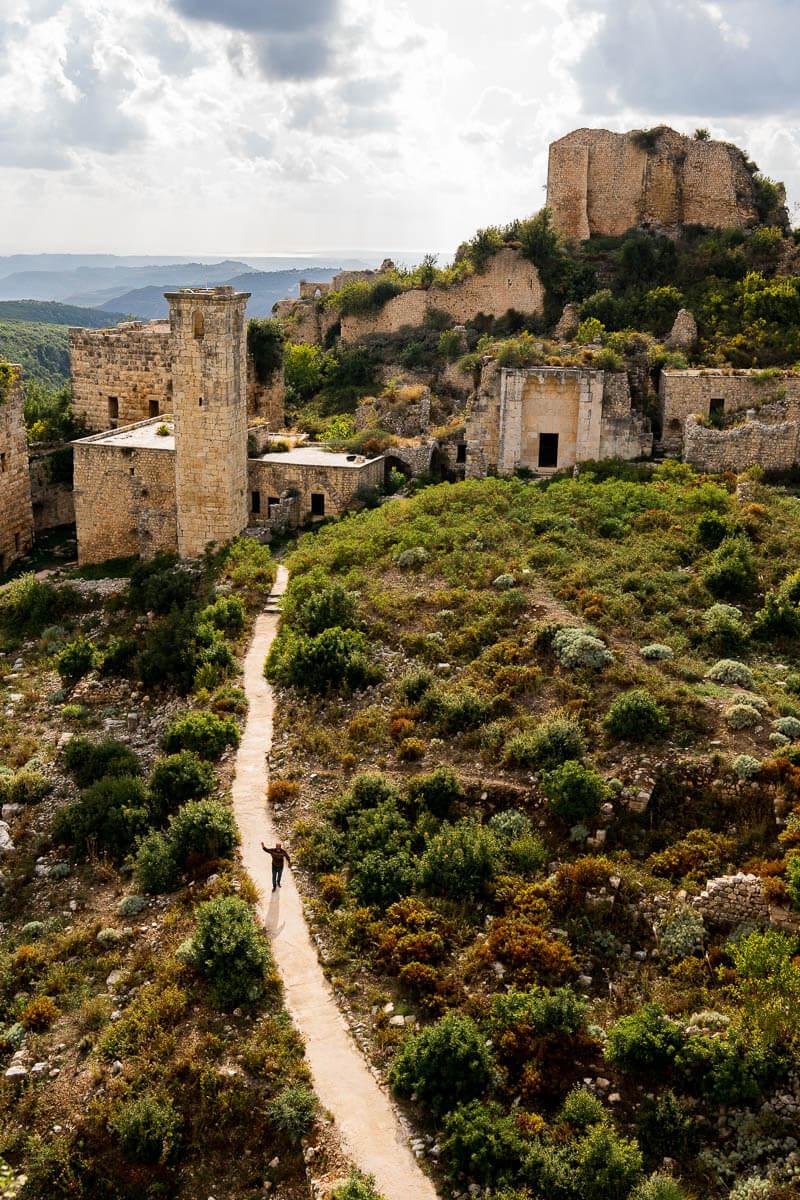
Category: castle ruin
[603,184]
[16,512]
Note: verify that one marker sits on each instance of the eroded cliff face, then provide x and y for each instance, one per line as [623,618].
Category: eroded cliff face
[603,183]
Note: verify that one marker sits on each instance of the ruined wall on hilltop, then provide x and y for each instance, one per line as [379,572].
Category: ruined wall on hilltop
[756,443]
[693,392]
[16,515]
[508,281]
[604,183]
[125,371]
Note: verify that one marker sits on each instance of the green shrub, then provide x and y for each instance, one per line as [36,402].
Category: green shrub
[665,1129]
[202,830]
[89,761]
[293,1111]
[645,1040]
[711,530]
[582,1109]
[226,614]
[724,627]
[110,816]
[26,786]
[742,716]
[779,618]
[161,584]
[789,727]
[177,779]
[155,868]
[731,673]
[446,1064]
[460,860]
[328,607]
[380,877]
[202,732]
[75,660]
[553,742]
[656,652]
[659,1187]
[118,657]
[581,649]
[336,660]
[436,792]
[732,572]
[746,767]
[481,1142]
[357,1187]
[575,792]
[168,654]
[721,1070]
[681,934]
[635,716]
[607,1166]
[793,880]
[541,1011]
[229,949]
[415,684]
[455,711]
[149,1128]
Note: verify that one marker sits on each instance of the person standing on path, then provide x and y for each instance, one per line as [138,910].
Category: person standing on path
[280,857]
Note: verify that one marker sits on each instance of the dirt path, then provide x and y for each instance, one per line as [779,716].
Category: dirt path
[363,1113]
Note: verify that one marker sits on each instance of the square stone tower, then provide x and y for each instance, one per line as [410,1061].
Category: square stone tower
[209,383]
[16,515]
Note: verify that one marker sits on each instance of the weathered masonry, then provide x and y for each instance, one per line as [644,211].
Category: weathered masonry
[545,419]
[603,183]
[714,392]
[124,375]
[16,514]
[209,391]
[320,483]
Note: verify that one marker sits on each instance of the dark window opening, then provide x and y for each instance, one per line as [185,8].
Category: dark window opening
[113,410]
[317,504]
[548,449]
[273,500]
[155,408]
[200,402]
[461,452]
[255,502]
[198,324]
[717,407]
[2,462]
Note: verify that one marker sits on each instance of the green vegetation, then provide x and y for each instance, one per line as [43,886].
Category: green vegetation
[265,341]
[41,350]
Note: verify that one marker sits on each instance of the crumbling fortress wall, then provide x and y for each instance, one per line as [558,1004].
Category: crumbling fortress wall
[121,375]
[16,514]
[508,282]
[545,419]
[603,183]
[716,392]
[758,441]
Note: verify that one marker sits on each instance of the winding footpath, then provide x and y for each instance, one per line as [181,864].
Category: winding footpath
[366,1120]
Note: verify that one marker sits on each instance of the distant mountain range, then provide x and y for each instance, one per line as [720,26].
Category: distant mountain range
[50,312]
[265,288]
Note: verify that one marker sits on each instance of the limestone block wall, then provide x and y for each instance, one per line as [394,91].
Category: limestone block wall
[305,321]
[773,446]
[406,414]
[604,183]
[209,373]
[688,393]
[124,501]
[51,487]
[589,410]
[337,484]
[16,515]
[129,367]
[265,401]
[509,281]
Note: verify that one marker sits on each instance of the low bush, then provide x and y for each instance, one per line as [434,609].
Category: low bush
[731,673]
[226,614]
[793,880]
[553,742]
[746,767]
[645,1040]
[38,1014]
[109,817]
[681,934]
[665,1128]
[656,652]
[660,1187]
[540,1012]
[204,733]
[482,1142]
[26,786]
[202,830]
[75,660]
[326,607]
[455,711]
[149,1129]
[635,716]
[177,779]
[446,1064]
[731,574]
[724,627]
[582,1109]
[155,867]
[460,860]
[700,853]
[336,660]
[229,950]
[89,761]
[789,727]
[293,1111]
[581,649]
[415,684]
[575,792]
[357,1187]
[436,792]
[742,716]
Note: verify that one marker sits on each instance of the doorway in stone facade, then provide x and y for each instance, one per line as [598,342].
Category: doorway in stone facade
[548,450]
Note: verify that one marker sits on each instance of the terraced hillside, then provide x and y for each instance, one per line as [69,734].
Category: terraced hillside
[520,729]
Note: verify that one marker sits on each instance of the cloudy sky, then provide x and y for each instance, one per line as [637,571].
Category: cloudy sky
[266,126]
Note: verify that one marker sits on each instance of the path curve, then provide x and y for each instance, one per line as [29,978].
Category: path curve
[363,1112]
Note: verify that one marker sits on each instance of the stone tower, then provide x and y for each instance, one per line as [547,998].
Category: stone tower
[209,382]
[16,515]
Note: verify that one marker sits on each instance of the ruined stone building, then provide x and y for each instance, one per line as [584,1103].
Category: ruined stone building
[716,392]
[178,483]
[546,419]
[603,183]
[16,513]
[124,375]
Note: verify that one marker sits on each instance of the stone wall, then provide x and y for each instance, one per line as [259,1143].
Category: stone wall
[16,516]
[337,484]
[603,183]
[209,373]
[124,501]
[589,411]
[509,281]
[51,487]
[683,394]
[127,370]
[773,446]
[305,321]
[265,401]
[405,413]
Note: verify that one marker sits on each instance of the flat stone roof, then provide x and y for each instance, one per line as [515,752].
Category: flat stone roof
[317,456]
[142,436]
[158,327]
